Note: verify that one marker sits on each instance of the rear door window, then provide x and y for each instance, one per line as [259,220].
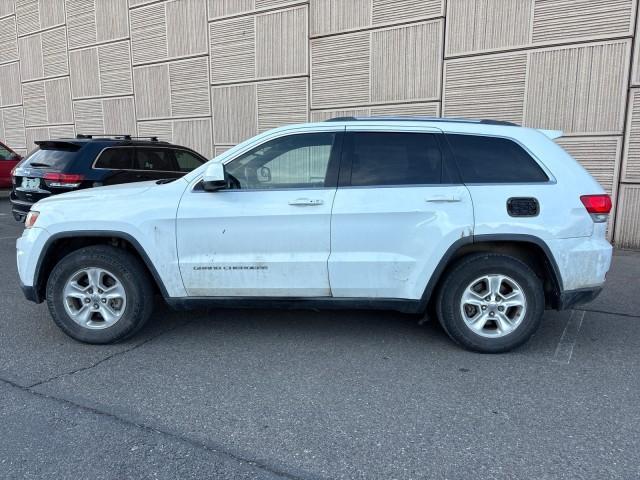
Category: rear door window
[393,158]
[494,160]
[155,159]
[116,159]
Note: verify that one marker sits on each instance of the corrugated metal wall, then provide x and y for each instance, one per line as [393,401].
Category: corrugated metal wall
[210,73]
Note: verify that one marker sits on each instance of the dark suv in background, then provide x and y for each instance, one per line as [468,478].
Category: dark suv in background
[59,166]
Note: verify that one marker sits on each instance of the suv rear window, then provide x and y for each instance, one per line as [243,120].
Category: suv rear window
[494,160]
[393,158]
[49,158]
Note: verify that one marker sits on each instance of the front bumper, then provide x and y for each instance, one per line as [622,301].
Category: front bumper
[572,298]
[30,293]
[28,249]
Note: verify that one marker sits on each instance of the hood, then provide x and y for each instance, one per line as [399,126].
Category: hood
[96,193]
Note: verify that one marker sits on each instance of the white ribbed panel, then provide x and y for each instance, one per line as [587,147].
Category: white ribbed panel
[491,86]
[58,96]
[235,113]
[188,80]
[81,23]
[220,149]
[114,62]
[13,127]
[167,30]
[282,102]
[560,20]
[7,8]
[51,13]
[340,69]
[153,96]
[194,133]
[108,115]
[430,109]
[54,52]
[233,50]
[333,16]
[35,108]
[8,40]
[31,66]
[635,78]
[186,27]
[112,21]
[281,43]
[631,167]
[627,234]
[477,25]
[322,115]
[47,133]
[10,91]
[406,63]
[85,73]
[599,155]
[28,16]
[224,8]
[395,11]
[578,89]
[149,33]
[89,117]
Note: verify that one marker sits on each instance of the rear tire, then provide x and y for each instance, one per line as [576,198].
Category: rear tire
[100,294]
[490,303]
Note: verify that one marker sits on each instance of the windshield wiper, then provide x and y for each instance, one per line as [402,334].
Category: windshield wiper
[165,180]
[38,164]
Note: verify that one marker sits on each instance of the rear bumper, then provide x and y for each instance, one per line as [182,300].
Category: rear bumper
[572,298]
[19,208]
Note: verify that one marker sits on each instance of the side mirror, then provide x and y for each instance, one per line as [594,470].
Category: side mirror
[214,177]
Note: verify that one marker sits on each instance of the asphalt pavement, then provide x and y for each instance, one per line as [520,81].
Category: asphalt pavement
[274,394]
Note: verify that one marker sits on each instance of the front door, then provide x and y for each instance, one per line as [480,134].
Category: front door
[398,208]
[268,234]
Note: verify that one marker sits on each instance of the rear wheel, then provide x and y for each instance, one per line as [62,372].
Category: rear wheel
[490,303]
[99,294]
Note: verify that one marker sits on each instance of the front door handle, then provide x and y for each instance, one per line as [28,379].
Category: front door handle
[306,202]
[443,199]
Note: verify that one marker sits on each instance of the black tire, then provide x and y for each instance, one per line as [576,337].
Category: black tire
[133,277]
[472,267]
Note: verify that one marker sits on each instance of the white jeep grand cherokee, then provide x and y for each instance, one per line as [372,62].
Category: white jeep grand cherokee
[484,222]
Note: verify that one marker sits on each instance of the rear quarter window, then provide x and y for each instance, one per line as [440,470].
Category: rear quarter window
[494,160]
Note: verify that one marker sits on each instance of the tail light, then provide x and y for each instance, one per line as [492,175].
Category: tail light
[598,206]
[63,180]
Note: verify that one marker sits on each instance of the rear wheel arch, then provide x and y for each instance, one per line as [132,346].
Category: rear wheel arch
[527,248]
[61,245]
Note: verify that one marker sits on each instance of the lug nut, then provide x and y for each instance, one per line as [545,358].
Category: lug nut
[501,309]
[87,300]
[484,307]
[491,314]
[91,290]
[104,300]
[99,291]
[95,305]
[487,298]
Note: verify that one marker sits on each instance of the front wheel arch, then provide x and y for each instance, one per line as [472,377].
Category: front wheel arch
[62,244]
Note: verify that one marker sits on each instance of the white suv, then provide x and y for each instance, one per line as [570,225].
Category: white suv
[483,223]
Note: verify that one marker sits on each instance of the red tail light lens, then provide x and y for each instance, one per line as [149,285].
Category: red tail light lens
[63,180]
[597,204]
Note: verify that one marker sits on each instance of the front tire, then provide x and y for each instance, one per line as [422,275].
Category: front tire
[99,294]
[490,303]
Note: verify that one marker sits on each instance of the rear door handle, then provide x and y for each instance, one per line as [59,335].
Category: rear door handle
[443,199]
[306,202]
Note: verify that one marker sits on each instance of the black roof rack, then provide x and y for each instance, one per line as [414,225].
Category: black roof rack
[115,136]
[421,119]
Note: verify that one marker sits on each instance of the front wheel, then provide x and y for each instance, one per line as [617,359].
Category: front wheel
[490,303]
[99,294]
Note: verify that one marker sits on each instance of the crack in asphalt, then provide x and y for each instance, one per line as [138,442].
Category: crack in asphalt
[108,357]
[146,428]
[628,315]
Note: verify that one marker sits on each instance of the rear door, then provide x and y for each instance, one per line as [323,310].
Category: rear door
[398,208]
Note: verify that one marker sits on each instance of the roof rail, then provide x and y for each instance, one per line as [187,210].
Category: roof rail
[115,136]
[421,119]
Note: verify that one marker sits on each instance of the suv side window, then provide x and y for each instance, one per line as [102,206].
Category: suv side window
[393,158]
[187,161]
[494,160]
[294,161]
[156,159]
[120,158]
